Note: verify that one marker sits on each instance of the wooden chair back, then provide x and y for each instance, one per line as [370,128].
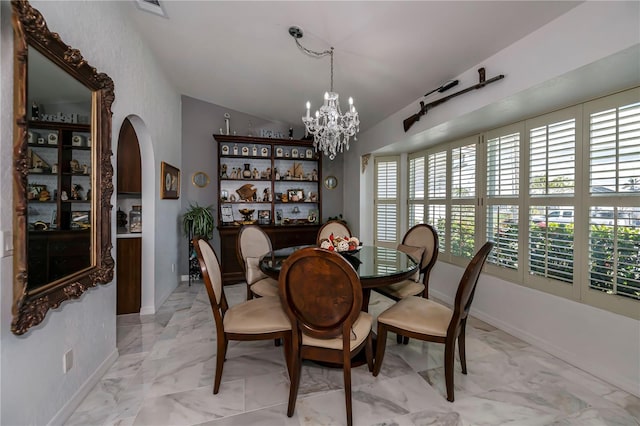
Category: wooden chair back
[320,292]
[335,227]
[467,288]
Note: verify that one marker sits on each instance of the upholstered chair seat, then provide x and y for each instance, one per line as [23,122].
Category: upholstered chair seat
[261,315]
[418,315]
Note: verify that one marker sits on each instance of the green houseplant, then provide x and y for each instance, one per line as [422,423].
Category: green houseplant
[198,221]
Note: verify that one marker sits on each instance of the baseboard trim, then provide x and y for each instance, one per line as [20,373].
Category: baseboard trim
[147,310]
[67,409]
[573,359]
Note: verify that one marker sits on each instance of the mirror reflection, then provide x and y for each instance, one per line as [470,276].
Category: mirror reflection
[59,164]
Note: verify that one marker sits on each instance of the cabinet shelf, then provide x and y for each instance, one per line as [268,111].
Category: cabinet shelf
[56,176]
[283,222]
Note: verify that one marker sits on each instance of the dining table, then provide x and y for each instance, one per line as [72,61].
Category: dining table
[376,266]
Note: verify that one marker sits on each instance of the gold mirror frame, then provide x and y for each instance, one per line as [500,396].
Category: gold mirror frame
[30,306]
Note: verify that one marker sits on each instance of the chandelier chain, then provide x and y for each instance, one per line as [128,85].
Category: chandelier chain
[315,54]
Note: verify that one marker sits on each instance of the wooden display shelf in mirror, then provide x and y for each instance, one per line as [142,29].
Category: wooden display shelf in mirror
[70,259]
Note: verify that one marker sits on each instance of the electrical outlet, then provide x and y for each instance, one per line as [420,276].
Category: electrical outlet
[67,361]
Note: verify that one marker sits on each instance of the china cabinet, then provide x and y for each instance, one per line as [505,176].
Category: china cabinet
[272,183]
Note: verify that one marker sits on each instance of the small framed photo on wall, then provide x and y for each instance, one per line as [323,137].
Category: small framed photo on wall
[169,181]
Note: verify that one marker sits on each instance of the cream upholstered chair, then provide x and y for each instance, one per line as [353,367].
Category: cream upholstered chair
[336,227]
[421,243]
[252,244]
[322,295]
[259,319]
[425,319]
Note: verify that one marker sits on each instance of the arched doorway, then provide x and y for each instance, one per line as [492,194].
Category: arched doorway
[129,220]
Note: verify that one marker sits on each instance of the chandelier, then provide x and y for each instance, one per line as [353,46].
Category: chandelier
[331,129]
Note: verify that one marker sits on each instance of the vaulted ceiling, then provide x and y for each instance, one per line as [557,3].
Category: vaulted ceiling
[387,54]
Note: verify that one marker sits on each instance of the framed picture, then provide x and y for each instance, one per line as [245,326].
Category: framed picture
[245,150]
[169,181]
[264,217]
[279,151]
[309,153]
[294,152]
[80,219]
[227,213]
[264,151]
[225,149]
[295,195]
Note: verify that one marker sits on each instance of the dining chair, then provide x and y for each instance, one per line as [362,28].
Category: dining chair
[336,227]
[258,319]
[322,295]
[253,243]
[421,243]
[430,321]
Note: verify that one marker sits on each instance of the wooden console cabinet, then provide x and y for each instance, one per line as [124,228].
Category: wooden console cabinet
[277,183]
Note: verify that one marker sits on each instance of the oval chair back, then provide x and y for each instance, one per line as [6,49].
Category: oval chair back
[335,227]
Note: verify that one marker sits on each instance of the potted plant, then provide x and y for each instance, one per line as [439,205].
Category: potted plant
[198,221]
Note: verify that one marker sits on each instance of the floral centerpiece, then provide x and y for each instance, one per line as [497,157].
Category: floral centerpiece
[340,244]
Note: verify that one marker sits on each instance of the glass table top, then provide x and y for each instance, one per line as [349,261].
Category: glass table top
[375,265]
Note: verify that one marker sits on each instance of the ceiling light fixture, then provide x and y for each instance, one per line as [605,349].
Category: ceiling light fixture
[331,129]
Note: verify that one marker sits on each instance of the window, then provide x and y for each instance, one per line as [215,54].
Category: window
[613,195]
[386,201]
[416,190]
[437,195]
[551,140]
[462,228]
[502,199]
[560,199]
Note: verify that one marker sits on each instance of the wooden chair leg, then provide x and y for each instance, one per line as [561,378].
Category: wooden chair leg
[347,384]
[380,347]
[249,292]
[449,358]
[461,346]
[405,340]
[368,350]
[296,365]
[221,354]
[276,342]
[399,338]
[287,354]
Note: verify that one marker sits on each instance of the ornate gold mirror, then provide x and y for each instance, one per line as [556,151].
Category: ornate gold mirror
[63,173]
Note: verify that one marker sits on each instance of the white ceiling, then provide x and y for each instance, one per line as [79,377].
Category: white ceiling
[387,54]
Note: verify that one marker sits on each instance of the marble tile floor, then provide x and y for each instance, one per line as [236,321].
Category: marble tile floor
[164,376]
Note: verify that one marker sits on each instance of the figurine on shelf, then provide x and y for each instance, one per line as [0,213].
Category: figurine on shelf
[75,192]
[64,196]
[277,177]
[256,173]
[234,174]
[85,169]
[223,173]
[44,195]
[268,173]
[314,175]
[266,195]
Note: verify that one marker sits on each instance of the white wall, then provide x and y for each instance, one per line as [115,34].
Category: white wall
[574,58]
[33,388]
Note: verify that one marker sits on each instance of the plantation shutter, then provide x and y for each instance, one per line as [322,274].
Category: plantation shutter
[416,190]
[462,228]
[386,201]
[437,195]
